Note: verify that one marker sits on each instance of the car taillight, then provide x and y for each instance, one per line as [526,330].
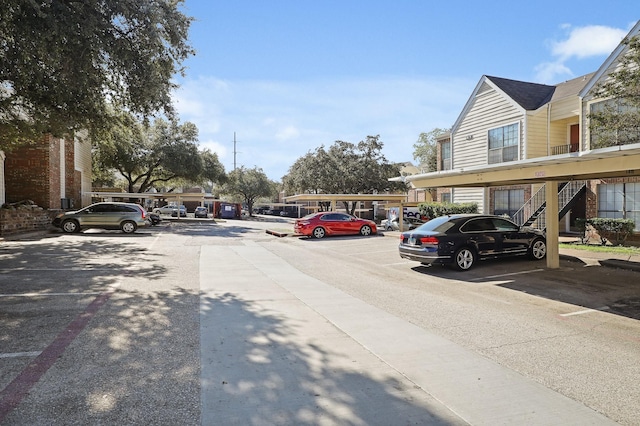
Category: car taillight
[144,212]
[429,240]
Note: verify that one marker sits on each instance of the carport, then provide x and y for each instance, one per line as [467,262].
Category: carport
[612,162]
[334,198]
[178,197]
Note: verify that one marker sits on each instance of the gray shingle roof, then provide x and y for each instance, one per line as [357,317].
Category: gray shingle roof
[529,96]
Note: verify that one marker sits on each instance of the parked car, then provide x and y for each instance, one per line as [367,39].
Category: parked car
[394,224]
[154,219]
[463,239]
[318,225]
[201,212]
[168,209]
[183,211]
[127,217]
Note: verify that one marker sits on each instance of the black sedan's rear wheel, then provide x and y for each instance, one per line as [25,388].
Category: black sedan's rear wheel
[464,259]
[318,232]
[538,249]
[365,230]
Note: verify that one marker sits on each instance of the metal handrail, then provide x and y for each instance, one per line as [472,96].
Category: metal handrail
[565,195]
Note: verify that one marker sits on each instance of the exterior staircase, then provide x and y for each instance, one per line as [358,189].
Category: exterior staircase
[533,212]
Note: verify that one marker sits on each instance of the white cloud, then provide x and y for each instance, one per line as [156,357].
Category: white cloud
[579,43]
[584,42]
[549,72]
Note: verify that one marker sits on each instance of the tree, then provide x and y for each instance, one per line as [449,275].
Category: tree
[344,168]
[616,120]
[249,185]
[63,61]
[212,169]
[159,154]
[425,150]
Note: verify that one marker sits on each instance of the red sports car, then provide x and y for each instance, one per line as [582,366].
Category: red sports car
[318,225]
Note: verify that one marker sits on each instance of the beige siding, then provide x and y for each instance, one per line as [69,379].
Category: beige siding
[565,108]
[470,195]
[536,134]
[82,162]
[489,110]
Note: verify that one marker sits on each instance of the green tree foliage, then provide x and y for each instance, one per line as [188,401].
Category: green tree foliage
[616,121]
[63,61]
[425,150]
[249,185]
[344,168]
[156,155]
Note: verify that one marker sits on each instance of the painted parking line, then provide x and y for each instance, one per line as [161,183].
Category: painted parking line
[47,294]
[84,268]
[18,389]
[585,311]
[21,354]
[506,275]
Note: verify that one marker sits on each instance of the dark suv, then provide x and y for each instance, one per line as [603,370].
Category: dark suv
[127,217]
[463,239]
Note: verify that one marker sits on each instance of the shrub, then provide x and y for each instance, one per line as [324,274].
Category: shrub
[432,210]
[615,230]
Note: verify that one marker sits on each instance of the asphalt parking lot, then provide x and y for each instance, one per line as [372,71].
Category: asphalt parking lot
[77,311]
[109,322]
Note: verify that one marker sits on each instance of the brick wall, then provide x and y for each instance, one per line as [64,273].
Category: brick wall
[28,173]
[25,218]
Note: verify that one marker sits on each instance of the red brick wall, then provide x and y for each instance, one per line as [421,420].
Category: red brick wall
[33,173]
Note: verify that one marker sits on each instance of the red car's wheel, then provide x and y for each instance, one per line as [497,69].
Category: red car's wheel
[365,230]
[318,232]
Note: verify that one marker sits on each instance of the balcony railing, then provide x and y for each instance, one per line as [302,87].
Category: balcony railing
[565,149]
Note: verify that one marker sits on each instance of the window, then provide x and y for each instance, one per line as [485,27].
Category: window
[478,225]
[507,202]
[620,201]
[445,197]
[445,156]
[505,225]
[503,144]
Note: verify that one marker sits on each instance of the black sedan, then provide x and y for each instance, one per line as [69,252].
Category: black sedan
[463,239]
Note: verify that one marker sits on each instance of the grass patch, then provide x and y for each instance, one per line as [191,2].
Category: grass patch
[601,249]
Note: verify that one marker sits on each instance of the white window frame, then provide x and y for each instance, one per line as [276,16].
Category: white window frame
[501,149]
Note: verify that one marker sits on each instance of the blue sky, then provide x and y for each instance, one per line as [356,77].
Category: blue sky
[288,76]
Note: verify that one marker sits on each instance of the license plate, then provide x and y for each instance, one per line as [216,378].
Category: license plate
[412,241]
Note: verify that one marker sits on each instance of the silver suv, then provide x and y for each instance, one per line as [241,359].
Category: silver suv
[124,216]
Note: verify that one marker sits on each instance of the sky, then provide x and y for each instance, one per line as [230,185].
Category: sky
[272,80]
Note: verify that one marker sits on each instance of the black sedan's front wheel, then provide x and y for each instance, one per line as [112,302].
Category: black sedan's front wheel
[464,259]
[538,249]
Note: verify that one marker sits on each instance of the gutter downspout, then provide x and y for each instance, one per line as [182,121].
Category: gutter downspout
[548,129]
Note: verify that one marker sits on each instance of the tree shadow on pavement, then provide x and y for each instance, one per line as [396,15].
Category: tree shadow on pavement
[136,361]
[256,373]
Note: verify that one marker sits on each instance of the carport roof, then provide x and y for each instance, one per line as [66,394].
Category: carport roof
[616,161]
[346,197]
